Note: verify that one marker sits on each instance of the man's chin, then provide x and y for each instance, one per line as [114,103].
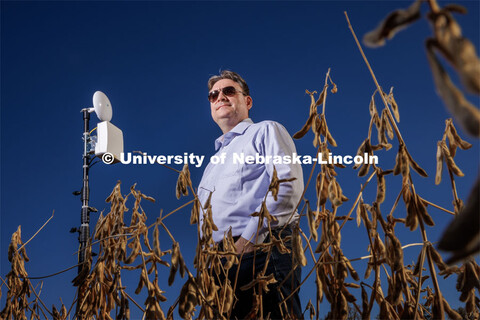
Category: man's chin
[224,114]
[227,121]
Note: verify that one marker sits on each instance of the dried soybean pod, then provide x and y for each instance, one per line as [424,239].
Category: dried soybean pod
[393,292]
[437,258]
[452,314]
[156,241]
[180,183]
[317,130]
[136,249]
[360,151]
[449,160]
[321,96]
[438,174]
[332,191]
[323,194]
[378,245]
[340,197]
[342,305]
[422,210]
[311,117]
[464,145]
[393,103]
[391,24]
[411,220]
[228,292]
[305,127]
[210,219]
[373,109]
[398,162]
[318,184]
[369,268]
[319,283]
[388,126]
[394,252]
[352,285]
[311,222]
[99,226]
[452,143]
[416,269]
[142,281]
[298,248]
[366,166]
[405,165]
[151,199]
[381,136]
[358,211]
[187,300]
[327,132]
[381,186]
[365,308]
[366,219]
[208,202]
[188,180]
[175,262]
[364,169]
[195,215]
[175,253]
[352,271]
[348,296]
[317,126]
[415,165]
[181,264]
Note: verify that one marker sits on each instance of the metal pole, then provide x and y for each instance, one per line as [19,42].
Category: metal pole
[84,232]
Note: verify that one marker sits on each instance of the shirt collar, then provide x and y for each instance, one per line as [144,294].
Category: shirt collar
[239,129]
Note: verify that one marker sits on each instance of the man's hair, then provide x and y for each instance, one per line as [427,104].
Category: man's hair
[227,74]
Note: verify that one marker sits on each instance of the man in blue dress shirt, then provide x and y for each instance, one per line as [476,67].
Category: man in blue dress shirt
[238,189]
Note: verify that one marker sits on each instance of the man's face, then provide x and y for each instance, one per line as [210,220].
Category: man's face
[227,112]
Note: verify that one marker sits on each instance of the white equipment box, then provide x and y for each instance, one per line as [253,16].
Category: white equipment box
[109,139]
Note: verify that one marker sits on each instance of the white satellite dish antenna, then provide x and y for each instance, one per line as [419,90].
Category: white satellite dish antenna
[102,106]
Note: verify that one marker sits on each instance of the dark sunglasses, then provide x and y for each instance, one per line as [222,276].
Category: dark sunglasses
[229,91]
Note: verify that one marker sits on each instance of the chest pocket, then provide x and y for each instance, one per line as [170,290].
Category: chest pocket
[228,182]
[224,180]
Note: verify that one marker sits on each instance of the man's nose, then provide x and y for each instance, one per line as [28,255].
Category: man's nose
[221,96]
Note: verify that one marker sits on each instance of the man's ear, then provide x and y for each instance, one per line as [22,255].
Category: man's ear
[249,102]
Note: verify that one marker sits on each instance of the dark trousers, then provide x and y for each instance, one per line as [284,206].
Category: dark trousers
[278,264]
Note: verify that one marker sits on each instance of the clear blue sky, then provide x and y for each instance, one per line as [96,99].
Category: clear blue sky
[153,59]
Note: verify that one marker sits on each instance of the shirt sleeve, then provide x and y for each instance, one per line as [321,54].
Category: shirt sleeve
[276,141]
